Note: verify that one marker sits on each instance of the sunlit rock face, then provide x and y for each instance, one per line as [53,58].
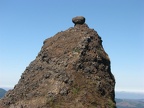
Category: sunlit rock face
[72,70]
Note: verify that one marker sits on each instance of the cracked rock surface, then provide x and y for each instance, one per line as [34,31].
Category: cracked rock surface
[72,70]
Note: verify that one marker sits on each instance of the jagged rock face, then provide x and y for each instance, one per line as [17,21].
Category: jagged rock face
[72,70]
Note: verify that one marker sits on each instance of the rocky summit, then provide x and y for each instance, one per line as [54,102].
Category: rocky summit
[72,70]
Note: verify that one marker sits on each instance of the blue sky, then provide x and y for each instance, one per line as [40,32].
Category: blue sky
[25,24]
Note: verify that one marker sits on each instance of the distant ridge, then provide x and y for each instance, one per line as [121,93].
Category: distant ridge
[2,92]
[129,95]
[130,103]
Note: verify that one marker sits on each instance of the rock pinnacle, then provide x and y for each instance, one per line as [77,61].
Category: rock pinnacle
[72,70]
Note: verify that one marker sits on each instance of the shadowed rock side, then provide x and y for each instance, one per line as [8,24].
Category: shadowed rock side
[72,70]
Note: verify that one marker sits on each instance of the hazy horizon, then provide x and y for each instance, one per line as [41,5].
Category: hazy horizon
[118,94]
[121,91]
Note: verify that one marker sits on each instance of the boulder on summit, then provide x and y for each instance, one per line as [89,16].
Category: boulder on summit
[78,20]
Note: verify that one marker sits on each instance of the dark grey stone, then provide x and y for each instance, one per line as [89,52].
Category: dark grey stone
[78,20]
